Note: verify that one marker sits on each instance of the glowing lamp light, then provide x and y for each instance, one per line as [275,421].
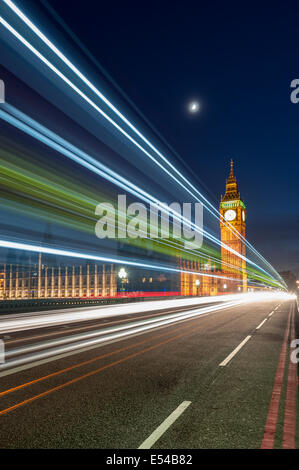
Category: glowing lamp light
[224,286]
[197,282]
[122,274]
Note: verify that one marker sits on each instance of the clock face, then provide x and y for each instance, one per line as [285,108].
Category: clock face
[230,215]
[243,216]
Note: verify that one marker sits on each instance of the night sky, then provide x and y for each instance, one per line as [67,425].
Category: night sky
[238,60]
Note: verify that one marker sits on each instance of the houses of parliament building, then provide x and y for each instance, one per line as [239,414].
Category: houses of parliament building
[231,275]
[37,279]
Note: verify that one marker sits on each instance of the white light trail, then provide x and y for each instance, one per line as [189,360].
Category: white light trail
[54,353]
[51,139]
[66,61]
[112,107]
[26,321]
[74,254]
[56,348]
[128,327]
[50,44]
[37,31]
[89,101]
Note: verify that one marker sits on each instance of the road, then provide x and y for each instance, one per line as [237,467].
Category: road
[197,375]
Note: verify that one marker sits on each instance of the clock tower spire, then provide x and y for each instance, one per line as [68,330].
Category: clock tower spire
[232,229]
[231,190]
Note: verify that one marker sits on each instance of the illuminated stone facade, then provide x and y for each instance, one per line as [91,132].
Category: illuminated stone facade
[212,280]
[39,281]
[232,230]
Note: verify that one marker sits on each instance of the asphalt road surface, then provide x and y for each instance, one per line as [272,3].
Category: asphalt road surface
[186,377]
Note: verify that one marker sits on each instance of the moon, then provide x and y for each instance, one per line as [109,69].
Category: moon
[193,107]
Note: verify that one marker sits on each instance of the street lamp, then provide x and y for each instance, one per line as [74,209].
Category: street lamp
[224,286]
[122,274]
[197,283]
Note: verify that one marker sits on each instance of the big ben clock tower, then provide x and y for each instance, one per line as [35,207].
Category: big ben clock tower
[232,230]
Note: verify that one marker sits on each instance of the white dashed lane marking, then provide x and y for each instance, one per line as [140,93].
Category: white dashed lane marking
[235,351]
[150,441]
[261,324]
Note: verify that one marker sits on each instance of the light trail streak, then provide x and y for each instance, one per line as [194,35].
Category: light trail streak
[78,327]
[51,139]
[130,326]
[39,33]
[108,103]
[86,98]
[22,322]
[50,44]
[74,254]
[83,95]
[91,343]
[43,188]
[40,320]
[53,348]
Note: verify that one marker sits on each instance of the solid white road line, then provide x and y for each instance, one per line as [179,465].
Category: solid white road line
[270,314]
[261,324]
[150,441]
[232,354]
